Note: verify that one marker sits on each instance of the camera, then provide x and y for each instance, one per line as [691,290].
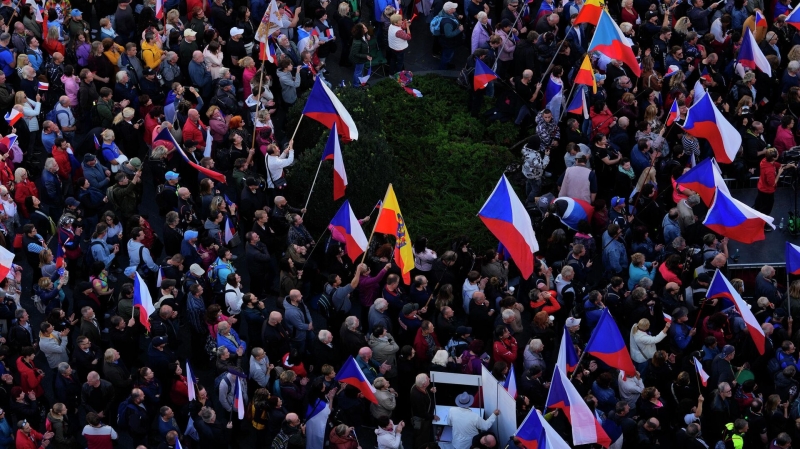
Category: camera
[160,79]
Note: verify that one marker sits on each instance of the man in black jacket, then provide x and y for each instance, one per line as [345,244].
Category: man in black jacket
[97,395]
[275,337]
[137,418]
[212,434]
[258,265]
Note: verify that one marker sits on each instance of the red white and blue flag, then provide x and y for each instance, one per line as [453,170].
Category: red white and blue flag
[6,262]
[238,399]
[704,121]
[13,116]
[483,75]
[567,359]
[96,142]
[667,318]
[510,384]
[792,258]
[606,344]
[230,230]
[142,301]
[535,433]
[720,287]
[44,86]
[352,375]
[159,9]
[704,178]
[750,54]
[731,218]
[674,113]
[333,151]
[761,21]
[793,18]
[578,104]
[554,95]
[215,175]
[507,219]
[323,106]
[701,373]
[345,228]
[609,40]
[572,210]
[585,427]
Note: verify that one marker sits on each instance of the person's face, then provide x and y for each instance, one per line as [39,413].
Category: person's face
[89,77]
[84,345]
[547,117]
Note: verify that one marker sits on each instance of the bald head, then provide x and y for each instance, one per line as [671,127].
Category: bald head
[365,353]
[478,297]
[197,57]
[275,318]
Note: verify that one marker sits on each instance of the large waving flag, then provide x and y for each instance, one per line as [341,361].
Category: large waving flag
[737,221]
[142,301]
[507,219]
[701,373]
[316,419]
[483,75]
[703,120]
[585,74]
[390,221]
[334,152]
[571,211]
[567,359]
[721,288]
[750,54]
[674,113]
[609,40]
[323,106]
[6,262]
[510,384]
[230,230]
[792,259]
[190,381]
[215,175]
[585,428]
[345,228]
[352,375]
[554,96]
[704,178]
[606,344]
[238,399]
[578,104]
[535,433]
[590,13]
[793,18]
[270,22]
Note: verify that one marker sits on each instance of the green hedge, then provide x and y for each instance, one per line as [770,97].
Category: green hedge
[442,162]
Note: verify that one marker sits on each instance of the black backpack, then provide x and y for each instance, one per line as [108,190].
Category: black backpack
[122,414]
[88,257]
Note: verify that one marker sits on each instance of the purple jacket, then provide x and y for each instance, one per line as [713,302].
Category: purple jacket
[368,287]
[480,38]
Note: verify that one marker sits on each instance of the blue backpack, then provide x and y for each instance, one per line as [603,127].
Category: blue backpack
[53,115]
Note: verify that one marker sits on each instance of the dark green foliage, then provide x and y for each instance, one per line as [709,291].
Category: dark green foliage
[443,162]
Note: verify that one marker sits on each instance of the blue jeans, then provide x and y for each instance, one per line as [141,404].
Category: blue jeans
[447,56]
[357,71]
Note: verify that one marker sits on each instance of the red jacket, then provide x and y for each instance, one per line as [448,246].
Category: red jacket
[505,351]
[421,346]
[32,441]
[768,171]
[30,378]
[195,132]
[23,190]
[6,175]
[601,123]
[64,166]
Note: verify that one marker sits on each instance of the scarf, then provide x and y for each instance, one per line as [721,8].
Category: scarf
[628,172]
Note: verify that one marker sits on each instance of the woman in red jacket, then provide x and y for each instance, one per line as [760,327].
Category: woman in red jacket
[30,376]
[29,438]
[770,172]
[505,346]
[179,393]
[602,118]
[23,189]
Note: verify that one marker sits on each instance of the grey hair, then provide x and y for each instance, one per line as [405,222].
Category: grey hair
[645,283]
[379,382]
[221,351]
[323,335]
[350,322]
[420,380]
[536,345]
[63,367]
[381,304]
[767,270]
[19,313]
[508,313]
[50,163]
[793,66]
[256,352]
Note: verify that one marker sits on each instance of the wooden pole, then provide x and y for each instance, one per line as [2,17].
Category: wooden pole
[312,188]
[374,225]
[258,103]
[297,127]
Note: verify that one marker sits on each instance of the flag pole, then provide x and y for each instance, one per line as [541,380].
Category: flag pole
[558,50]
[577,365]
[375,225]
[312,186]
[297,127]
[258,103]
[697,377]
[566,102]
[308,256]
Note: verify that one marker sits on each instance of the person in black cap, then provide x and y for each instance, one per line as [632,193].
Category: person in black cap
[460,341]
[149,85]
[225,97]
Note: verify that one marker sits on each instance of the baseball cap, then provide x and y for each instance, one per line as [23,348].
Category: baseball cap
[158,341]
[189,32]
[236,31]
[76,12]
[196,270]
[572,322]
[617,201]
[225,82]
[72,202]
[599,77]
[727,350]
[188,235]
[89,157]
[449,5]
[171,175]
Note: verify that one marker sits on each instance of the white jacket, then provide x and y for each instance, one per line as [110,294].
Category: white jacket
[643,346]
[466,425]
[388,439]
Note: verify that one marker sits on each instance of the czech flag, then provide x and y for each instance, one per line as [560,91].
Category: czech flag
[266,52]
[238,400]
[190,381]
[674,113]
[671,70]
[554,96]
[215,175]
[96,142]
[413,92]
[352,375]
[390,221]
[329,33]
[721,287]
[44,86]
[536,433]
[667,318]
[792,258]
[590,13]
[230,230]
[334,152]
[316,419]
[701,373]
[571,210]
[609,40]
[704,178]
[13,116]
[733,219]
[59,253]
[483,75]
[704,75]
[324,107]
[159,9]
[585,74]
[6,262]
[750,54]
[704,121]
[761,21]
[143,301]
[345,228]
[363,79]
[578,104]
[567,359]
[510,384]
[10,140]
[607,344]
[507,219]
[585,428]
[793,18]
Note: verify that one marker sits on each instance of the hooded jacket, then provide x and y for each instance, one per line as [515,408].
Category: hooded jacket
[385,350]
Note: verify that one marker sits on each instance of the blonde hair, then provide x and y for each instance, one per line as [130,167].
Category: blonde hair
[650,113]
[395,19]
[643,325]
[637,259]
[108,134]
[212,109]
[682,25]
[172,14]
[22,60]
[344,9]
[20,98]
[648,175]
[246,62]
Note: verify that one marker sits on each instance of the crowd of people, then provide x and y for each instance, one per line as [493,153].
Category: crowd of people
[100,96]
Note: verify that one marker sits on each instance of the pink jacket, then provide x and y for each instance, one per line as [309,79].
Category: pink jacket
[71,86]
[784,140]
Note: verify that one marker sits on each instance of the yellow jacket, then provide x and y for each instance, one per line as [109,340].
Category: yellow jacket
[151,55]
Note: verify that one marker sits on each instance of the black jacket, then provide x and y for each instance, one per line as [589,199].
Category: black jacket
[257,258]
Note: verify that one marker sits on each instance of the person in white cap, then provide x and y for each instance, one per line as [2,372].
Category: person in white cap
[234,47]
[466,424]
[449,33]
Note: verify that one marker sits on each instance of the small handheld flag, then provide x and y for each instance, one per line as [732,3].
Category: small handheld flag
[230,230]
[792,258]
[674,113]
[142,301]
[43,86]
[578,104]
[13,116]
[701,373]
[190,382]
[345,228]
[510,384]
[483,75]
[760,20]
[352,375]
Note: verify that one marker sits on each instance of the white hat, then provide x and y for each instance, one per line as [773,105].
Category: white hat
[571,322]
[450,5]
[236,31]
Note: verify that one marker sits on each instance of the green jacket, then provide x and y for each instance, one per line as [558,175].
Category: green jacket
[124,199]
[359,51]
[105,110]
